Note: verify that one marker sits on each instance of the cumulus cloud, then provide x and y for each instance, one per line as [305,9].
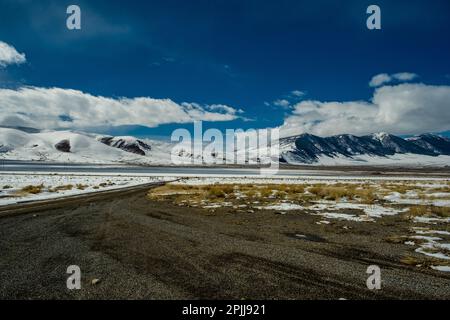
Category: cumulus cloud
[50,108]
[399,109]
[9,55]
[384,78]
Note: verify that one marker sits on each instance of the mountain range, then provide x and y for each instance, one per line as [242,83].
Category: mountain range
[310,149]
[344,149]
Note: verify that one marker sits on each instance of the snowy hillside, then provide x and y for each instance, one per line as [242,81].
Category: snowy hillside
[375,149]
[127,143]
[68,146]
[80,147]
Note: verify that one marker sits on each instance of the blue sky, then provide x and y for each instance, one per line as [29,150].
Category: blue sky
[243,54]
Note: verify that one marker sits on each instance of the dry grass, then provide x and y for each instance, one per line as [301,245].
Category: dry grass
[441,211]
[264,193]
[409,260]
[367,196]
[217,191]
[400,187]
[429,211]
[395,239]
[419,211]
[61,188]
[364,194]
[437,250]
[441,189]
[290,189]
[220,192]
[33,189]
[331,192]
[424,261]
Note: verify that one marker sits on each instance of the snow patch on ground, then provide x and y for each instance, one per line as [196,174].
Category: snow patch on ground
[396,197]
[344,216]
[370,211]
[428,231]
[431,220]
[441,268]
[431,246]
[283,206]
[11,185]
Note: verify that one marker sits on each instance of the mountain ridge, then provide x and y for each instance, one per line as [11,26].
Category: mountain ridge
[308,148]
[343,149]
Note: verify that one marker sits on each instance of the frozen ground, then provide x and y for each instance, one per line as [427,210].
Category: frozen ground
[394,160]
[16,188]
[310,179]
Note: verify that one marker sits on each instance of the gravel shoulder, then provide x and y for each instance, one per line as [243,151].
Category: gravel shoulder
[143,249]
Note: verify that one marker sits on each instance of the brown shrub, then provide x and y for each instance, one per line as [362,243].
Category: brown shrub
[429,211]
[411,261]
[64,187]
[33,189]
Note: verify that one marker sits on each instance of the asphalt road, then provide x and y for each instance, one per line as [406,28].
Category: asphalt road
[140,249]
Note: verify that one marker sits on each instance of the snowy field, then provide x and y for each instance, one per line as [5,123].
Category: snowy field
[16,188]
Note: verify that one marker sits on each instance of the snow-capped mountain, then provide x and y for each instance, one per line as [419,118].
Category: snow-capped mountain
[390,144]
[311,149]
[127,143]
[432,142]
[345,149]
[79,147]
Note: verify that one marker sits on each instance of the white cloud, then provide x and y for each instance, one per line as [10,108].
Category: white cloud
[404,76]
[224,108]
[384,78]
[298,93]
[281,103]
[399,109]
[51,108]
[9,55]
[380,79]
[288,100]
